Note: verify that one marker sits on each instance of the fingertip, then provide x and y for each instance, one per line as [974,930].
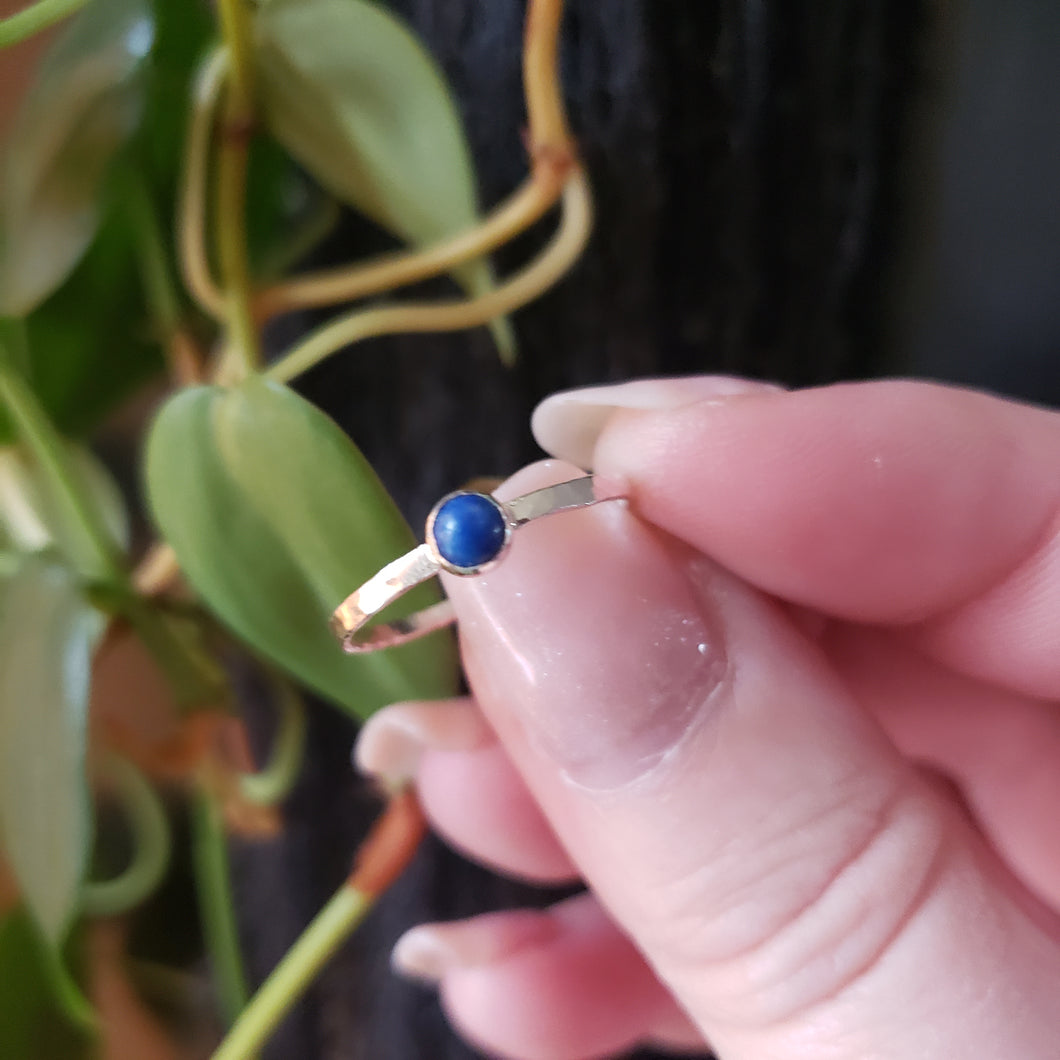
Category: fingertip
[886,502]
[392,741]
[560,984]
[568,424]
[429,952]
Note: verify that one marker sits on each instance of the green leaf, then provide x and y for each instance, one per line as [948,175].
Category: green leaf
[275,517]
[47,637]
[348,89]
[84,105]
[69,507]
[94,340]
[30,518]
[36,997]
[90,342]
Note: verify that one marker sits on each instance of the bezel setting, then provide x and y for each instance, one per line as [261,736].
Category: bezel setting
[452,568]
[357,621]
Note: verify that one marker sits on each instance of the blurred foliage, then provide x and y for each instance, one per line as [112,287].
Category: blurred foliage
[355,97]
[268,514]
[82,108]
[35,1018]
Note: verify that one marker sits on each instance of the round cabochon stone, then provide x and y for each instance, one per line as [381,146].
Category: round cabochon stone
[469,530]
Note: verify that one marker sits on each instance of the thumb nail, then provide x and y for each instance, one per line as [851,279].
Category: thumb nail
[568,424]
[594,635]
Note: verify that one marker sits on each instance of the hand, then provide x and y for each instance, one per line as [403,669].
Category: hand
[791,715]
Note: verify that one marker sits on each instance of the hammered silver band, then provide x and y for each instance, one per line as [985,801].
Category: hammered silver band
[351,619]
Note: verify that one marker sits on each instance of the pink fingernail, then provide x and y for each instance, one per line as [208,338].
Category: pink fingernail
[568,424]
[392,741]
[429,951]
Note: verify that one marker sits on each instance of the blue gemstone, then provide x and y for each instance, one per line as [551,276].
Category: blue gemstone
[469,530]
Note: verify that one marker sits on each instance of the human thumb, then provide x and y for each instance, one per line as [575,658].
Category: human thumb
[799,887]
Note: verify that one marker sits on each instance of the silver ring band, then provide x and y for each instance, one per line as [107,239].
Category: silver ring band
[467,533]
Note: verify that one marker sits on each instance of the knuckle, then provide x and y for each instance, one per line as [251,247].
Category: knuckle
[812,920]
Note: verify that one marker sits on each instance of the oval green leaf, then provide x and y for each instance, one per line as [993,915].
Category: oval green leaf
[47,636]
[275,516]
[69,506]
[347,88]
[84,105]
[30,517]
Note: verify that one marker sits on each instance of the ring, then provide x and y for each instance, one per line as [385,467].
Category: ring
[467,533]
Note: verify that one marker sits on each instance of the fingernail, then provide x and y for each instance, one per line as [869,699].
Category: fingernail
[567,424]
[429,951]
[392,741]
[596,635]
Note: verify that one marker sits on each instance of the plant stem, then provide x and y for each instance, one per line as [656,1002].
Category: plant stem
[31,20]
[343,912]
[191,211]
[271,784]
[331,286]
[383,857]
[231,241]
[236,33]
[150,830]
[231,192]
[157,279]
[210,852]
[182,356]
[537,277]
[541,84]
[67,991]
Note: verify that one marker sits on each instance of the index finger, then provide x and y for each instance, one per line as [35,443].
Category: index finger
[890,502]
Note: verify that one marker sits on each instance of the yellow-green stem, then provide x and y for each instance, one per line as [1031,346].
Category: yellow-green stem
[273,783]
[381,859]
[147,820]
[537,277]
[31,20]
[192,205]
[210,852]
[159,286]
[346,909]
[235,134]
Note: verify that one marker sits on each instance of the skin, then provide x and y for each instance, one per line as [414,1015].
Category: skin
[790,713]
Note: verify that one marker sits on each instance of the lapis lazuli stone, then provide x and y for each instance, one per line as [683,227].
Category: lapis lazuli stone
[469,530]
